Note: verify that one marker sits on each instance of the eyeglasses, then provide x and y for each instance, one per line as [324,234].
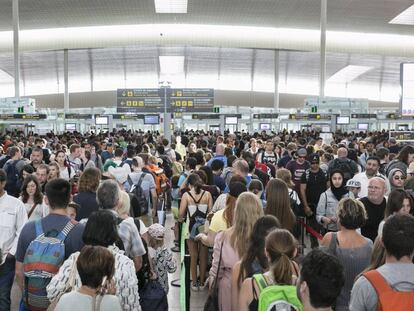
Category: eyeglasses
[400,177]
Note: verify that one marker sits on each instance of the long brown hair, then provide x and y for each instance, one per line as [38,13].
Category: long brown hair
[89,180]
[281,248]
[248,210]
[255,251]
[38,196]
[278,203]
[228,213]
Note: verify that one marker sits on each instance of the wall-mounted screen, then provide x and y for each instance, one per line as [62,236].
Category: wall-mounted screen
[325,129]
[265,126]
[363,126]
[342,120]
[407,89]
[230,120]
[70,126]
[101,120]
[152,120]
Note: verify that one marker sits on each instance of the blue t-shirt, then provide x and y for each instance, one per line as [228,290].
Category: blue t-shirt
[222,158]
[73,241]
[219,182]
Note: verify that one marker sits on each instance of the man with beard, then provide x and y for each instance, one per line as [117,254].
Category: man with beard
[371,170]
[374,204]
[297,167]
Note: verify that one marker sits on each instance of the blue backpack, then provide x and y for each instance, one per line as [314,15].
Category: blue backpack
[42,261]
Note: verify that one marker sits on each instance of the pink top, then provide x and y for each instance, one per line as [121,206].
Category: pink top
[228,259]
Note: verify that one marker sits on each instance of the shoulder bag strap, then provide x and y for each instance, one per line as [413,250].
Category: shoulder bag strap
[215,285]
[31,210]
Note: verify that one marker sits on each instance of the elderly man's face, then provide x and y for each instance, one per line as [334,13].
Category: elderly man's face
[376,189]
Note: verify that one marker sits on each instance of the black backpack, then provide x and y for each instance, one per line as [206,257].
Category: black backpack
[139,203]
[144,274]
[12,179]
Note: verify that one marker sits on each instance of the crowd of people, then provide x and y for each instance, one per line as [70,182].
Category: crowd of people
[83,217]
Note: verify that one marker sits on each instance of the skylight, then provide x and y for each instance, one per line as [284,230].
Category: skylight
[348,73]
[171,6]
[406,17]
[172,64]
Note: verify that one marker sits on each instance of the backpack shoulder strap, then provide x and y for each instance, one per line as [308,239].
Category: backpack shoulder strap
[377,281]
[189,193]
[38,227]
[141,178]
[260,281]
[130,180]
[69,226]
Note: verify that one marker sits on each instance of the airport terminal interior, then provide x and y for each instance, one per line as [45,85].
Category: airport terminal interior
[206,155]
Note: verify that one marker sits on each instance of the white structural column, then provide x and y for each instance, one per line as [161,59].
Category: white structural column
[167,116]
[66,80]
[16,29]
[276,94]
[322,75]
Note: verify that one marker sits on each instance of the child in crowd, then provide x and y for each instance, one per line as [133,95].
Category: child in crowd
[72,210]
[162,261]
[354,188]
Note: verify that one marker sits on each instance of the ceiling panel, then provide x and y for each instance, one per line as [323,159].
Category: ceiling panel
[346,15]
[230,68]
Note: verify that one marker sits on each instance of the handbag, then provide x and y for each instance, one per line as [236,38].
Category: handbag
[70,284]
[212,303]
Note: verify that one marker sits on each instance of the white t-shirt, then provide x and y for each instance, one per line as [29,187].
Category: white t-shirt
[78,301]
[40,211]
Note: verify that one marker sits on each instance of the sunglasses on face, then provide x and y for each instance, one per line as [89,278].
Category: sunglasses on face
[400,177]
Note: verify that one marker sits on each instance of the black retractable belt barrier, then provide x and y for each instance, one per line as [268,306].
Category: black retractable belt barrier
[302,245]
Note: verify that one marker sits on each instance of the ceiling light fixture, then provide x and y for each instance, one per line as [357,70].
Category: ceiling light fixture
[348,73]
[171,64]
[406,17]
[171,6]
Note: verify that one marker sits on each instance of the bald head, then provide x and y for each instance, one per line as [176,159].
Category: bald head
[342,152]
[376,190]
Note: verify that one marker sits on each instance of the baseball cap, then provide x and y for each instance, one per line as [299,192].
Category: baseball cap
[314,158]
[353,183]
[302,152]
[156,231]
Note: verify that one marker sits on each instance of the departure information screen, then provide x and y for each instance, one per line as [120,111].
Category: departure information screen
[153,100]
